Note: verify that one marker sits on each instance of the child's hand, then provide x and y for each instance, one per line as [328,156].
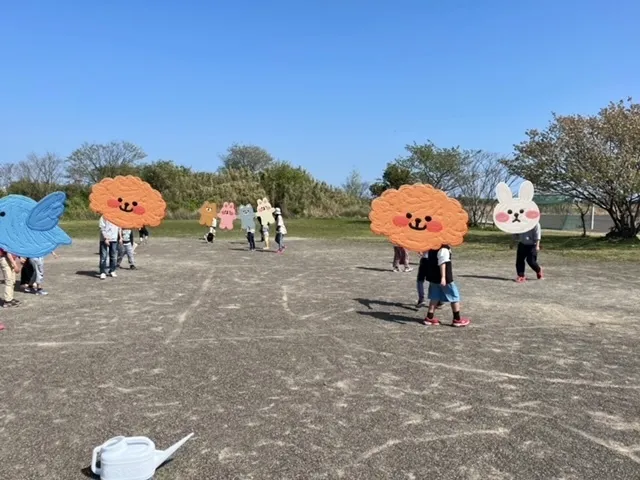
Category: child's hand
[443,282]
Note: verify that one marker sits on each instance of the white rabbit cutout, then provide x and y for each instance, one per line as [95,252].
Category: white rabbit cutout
[516,215]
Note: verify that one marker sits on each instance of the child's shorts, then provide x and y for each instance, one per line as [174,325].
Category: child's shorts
[448,294]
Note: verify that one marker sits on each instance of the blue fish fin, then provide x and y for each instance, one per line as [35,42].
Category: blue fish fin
[46,214]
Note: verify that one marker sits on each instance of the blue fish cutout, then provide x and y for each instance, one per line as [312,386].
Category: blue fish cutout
[29,228]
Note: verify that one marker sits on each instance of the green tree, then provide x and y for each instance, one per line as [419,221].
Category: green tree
[593,159]
[394,176]
[92,162]
[246,157]
[442,168]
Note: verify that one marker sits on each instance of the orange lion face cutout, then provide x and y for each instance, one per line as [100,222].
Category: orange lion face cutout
[419,218]
[128,202]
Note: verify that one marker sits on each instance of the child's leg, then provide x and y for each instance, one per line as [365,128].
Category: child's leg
[104,254]
[532,259]
[130,258]
[120,256]
[113,256]
[431,320]
[9,279]
[266,242]
[396,258]
[521,254]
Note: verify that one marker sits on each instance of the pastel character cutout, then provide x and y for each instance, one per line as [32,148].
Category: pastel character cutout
[265,212]
[128,202]
[29,228]
[208,211]
[419,218]
[247,217]
[227,215]
[516,215]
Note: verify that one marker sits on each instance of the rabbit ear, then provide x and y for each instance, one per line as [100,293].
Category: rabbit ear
[259,202]
[503,192]
[526,191]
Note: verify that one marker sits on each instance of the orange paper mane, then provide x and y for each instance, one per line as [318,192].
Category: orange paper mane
[128,202]
[419,218]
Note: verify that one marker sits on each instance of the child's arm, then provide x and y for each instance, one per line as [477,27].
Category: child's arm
[443,274]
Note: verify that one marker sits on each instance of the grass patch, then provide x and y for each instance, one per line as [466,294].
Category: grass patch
[564,243]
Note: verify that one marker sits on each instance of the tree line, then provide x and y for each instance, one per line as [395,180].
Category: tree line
[593,161]
[248,172]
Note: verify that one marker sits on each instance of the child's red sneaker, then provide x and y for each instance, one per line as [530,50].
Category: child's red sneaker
[540,275]
[1,326]
[463,322]
[431,322]
[521,279]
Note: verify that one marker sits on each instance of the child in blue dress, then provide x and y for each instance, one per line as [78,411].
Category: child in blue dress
[442,289]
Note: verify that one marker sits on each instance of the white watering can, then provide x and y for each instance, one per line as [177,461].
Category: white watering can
[130,458]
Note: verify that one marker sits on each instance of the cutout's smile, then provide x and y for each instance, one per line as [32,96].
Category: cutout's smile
[417,225]
[126,208]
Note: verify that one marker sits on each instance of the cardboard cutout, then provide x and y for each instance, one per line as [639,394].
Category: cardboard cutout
[247,217]
[208,211]
[227,215]
[419,218]
[29,228]
[516,215]
[128,202]
[265,212]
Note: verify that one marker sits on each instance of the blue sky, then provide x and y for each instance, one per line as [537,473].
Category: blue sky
[329,85]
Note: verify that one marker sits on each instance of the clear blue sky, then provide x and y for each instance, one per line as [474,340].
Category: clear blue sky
[330,85]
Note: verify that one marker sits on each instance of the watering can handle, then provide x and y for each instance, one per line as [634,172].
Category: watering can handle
[94,461]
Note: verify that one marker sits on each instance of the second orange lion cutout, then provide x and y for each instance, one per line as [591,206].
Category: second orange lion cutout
[419,218]
[128,202]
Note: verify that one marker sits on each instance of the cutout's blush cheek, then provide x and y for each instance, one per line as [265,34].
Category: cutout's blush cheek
[400,221]
[139,210]
[434,226]
[113,203]
[532,214]
[502,217]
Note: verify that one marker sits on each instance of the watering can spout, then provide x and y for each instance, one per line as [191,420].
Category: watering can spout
[163,455]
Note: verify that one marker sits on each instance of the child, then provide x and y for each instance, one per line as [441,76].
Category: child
[528,248]
[9,266]
[400,256]
[281,230]
[211,236]
[126,246]
[109,239]
[439,273]
[144,234]
[264,230]
[251,237]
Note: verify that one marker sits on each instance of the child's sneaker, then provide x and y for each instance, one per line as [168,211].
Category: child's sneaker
[463,322]
[114,274]
[540,275]
[1,326]
[395,269]
[41,292]
[132,267]
[408,269]
[431,322]
[521,279]
[103,276]
[421,303]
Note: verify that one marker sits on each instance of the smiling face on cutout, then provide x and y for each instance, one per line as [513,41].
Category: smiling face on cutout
[516,215]
[419,218]
[128,202]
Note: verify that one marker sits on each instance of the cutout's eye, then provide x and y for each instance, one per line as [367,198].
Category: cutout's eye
[521,211]
[135,204]
[120,200]
[509,212]
[409,216]
[2,214]
[427,218]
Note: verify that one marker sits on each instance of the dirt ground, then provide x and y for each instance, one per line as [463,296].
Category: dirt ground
[313,365]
